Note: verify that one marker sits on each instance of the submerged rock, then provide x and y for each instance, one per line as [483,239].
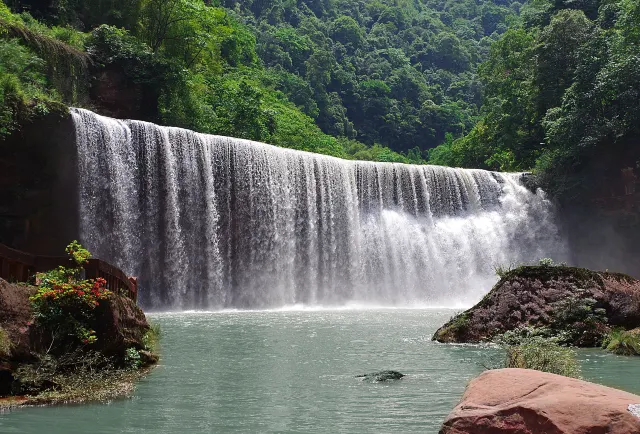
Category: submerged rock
[381,376]
[526,401]
[525,297]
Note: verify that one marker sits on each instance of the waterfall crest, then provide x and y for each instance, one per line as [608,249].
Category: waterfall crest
[210,222]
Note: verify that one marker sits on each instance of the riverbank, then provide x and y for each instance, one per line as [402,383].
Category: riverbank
[113,385]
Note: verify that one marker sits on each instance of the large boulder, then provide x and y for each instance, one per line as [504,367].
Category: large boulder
[526,297]
[522,401]
[119,324]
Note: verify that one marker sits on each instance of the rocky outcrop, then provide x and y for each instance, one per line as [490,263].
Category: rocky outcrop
[38,183]
[522,401]
[119,324]
[526,297]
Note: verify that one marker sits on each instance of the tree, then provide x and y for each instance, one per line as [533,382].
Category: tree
[347,31]
[557,55]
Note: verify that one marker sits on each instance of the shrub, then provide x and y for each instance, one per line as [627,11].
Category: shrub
[544,355]
[132,358]
[577,320]
[152,337]
[620,341]
[64,303]
[521,335]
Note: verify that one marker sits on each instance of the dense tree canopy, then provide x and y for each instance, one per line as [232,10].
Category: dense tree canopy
[549,85]
[561,91]
[351,76]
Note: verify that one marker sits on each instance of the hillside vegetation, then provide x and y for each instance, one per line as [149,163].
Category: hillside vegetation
[548,85]
[561,91]
[382,80]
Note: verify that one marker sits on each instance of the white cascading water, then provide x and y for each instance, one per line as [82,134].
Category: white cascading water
[210,222]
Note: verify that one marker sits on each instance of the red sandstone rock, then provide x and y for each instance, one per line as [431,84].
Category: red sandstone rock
[522,401]
[119,324]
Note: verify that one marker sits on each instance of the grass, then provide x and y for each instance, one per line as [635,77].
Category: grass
[81,389]
[151,339]
[620,341]
[544,355]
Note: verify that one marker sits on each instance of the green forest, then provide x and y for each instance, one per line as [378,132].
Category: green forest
[544,85]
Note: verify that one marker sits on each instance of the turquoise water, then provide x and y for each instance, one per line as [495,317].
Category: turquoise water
[293,372]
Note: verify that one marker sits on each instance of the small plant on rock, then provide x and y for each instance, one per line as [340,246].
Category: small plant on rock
[543,354]
[132,358]
[621,341]
[548,262]
[502,270]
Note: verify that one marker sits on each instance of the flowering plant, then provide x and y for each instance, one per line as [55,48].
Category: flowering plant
[78,253]
[64,302]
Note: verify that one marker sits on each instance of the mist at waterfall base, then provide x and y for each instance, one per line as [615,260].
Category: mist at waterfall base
[208,222]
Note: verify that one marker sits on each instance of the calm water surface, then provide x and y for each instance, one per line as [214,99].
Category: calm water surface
[293,372]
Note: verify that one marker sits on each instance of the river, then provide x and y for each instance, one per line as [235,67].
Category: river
[293,371]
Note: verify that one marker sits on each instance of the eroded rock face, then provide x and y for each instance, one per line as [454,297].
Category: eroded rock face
[525,297]
[15,319]
[119,324]
[522,401]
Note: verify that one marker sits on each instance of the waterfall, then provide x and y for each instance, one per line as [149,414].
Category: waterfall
[210,222]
